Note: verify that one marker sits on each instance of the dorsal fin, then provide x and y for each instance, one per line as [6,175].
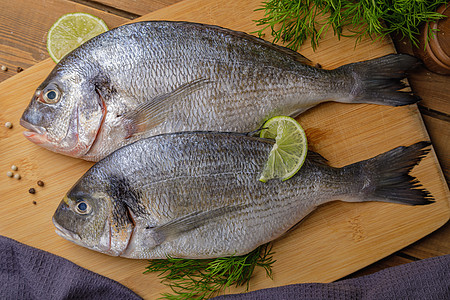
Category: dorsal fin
[317,158]
[291,53]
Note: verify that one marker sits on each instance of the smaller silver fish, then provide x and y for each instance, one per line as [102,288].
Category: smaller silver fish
[197,195]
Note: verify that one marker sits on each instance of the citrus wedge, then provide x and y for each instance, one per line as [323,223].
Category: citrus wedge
[289,152]
[70,31]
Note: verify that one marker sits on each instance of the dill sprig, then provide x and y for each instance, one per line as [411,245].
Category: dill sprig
[293,21]
[204,278]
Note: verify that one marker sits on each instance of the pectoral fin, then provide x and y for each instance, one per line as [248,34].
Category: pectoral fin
[177,227]
[155,111]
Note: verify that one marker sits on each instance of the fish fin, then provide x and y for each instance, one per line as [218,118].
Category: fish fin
[256,40]
[175,228]
[296,225]
[286,51]
[386,177]
[379,81]
[153,112]
[317,158]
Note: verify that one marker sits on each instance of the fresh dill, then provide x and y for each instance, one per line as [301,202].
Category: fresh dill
[293,21]
[205,278]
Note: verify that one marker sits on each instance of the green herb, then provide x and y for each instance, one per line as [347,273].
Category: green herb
[204,278]
[293,21]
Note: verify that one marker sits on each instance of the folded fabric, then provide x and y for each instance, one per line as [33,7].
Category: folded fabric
[424,279]
[30,273]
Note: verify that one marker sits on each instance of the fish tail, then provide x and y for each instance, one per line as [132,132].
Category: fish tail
[379,81]
[386,177]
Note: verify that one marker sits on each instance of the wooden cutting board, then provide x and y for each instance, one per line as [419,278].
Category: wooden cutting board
[337,239]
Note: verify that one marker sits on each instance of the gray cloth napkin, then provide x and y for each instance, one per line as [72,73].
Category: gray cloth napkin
[30,273]
[427,279]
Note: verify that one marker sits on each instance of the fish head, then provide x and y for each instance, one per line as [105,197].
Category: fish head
[65,113]
[83,220]
[90,218]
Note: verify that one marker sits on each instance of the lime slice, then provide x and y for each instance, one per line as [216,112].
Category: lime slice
[289,152]
[70,31]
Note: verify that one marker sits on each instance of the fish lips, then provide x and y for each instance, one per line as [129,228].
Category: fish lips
[65,233]
[35,134]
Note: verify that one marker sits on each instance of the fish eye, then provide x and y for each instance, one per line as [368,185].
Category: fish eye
[51,96]
[82,207]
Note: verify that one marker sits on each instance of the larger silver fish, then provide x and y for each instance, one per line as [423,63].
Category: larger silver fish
[197,195]
[148,78]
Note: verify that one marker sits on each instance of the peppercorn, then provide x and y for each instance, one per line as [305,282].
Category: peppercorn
[40,183]
[32,191]
[19,69]
[34,202]
[8,125]
[17,176]
[4,68]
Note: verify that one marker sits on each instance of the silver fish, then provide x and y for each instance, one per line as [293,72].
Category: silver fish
[148,78]
[197,195]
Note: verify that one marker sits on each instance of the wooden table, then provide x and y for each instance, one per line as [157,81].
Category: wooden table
[23,35]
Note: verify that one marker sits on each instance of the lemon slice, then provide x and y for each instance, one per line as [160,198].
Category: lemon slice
[289,152]
[70,31]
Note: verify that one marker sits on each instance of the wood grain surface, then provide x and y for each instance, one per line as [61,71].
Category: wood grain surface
[334,241]
[24,29]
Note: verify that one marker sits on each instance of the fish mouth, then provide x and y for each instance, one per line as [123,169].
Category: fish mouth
[35,134]
[66,234]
